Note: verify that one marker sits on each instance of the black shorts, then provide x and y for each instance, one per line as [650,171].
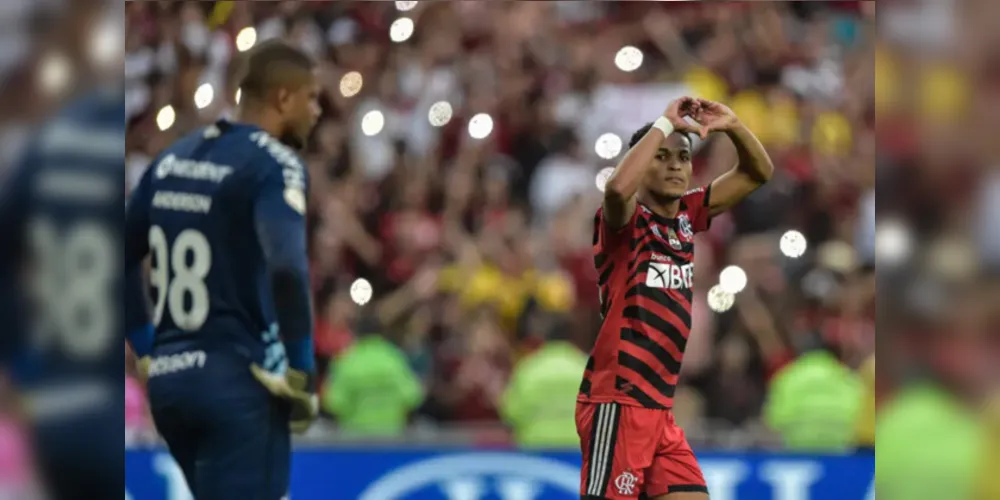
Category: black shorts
[229,436]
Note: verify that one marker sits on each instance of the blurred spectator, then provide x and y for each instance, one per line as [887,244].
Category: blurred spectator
[930,446]
[539,403]
[814,403]
[370,387]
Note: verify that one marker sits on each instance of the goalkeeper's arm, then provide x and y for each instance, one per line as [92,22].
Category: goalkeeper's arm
[281,232]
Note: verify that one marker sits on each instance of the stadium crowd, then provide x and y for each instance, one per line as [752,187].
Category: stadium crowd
[456,171]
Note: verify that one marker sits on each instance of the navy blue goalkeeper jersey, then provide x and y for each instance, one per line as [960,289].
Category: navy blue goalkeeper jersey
[213,212]
[60,217]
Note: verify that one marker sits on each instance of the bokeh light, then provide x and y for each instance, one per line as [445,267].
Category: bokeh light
[246,39]
[793,244]
[55,73]
[608,146]
[440,113]
[361,291]
[733,279]
[603,176]
[893,242]
[351,83]
[401,29]
[204,96]
[372,123]
[165,118]
[481,126]
[720,300]
[628,58]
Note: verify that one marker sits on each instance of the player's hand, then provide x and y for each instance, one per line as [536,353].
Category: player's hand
[679,110]
[293,386]
[714,116]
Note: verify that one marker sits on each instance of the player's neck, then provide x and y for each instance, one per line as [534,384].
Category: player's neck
[259,117]
[667,207]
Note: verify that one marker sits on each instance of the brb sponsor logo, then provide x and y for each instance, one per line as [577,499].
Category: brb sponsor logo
[663,273]
[479,476]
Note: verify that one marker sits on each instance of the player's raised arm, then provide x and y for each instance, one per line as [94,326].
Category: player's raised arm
[754,167]
[623,186]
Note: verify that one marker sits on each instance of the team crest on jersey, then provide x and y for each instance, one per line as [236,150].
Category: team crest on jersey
[684,223]
[672,238]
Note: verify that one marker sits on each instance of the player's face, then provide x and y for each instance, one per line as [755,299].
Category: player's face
[670,173]
[302,111]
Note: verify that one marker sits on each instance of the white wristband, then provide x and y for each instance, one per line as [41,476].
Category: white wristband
[664,125]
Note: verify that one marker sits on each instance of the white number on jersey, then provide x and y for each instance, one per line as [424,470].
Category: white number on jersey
[73,275]
[188,277]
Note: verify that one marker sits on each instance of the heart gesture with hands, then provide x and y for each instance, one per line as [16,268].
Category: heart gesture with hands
[679,110]
[714,116]
[705,116]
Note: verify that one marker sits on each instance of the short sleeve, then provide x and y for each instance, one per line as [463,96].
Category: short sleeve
[607,239]
[696,203]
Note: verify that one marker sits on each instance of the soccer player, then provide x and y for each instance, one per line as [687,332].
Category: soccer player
[644,255]
[60,283]
[229,355]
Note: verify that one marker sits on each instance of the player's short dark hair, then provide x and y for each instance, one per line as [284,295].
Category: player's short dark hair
[639,134]
[272,64]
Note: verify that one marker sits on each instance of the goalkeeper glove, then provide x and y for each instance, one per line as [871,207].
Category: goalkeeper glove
[294,386]
[142,366]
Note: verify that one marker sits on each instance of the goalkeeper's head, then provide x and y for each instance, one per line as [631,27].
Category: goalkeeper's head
[280,88]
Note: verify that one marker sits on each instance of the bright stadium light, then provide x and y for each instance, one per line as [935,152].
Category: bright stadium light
[239,94]
[361,291]
[733,280]
[372,123]
[440,113]
[351,83]
[165,118]
[603,176]
[793,244]
[628,58]
[246,39]
[720,300]
[893,242]
[481,126]
[401,30]
[204,95]
[405,6]
[608,146]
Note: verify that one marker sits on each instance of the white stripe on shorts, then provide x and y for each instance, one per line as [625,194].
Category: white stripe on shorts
[602,449]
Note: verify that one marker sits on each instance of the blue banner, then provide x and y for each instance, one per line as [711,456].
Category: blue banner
[348,474]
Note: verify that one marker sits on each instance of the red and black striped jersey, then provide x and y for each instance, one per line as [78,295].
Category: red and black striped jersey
[646,273]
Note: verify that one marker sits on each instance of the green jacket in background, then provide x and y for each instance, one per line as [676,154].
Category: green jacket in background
[814,403]
[540,402]
[930,446]
[371,388]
